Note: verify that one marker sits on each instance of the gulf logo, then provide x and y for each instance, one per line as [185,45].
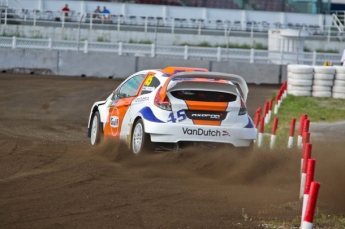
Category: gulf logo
[114,121]
[225,133]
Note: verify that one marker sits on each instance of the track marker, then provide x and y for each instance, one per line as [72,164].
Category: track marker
[292,132]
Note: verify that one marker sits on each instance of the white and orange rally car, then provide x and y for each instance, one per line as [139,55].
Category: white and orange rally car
[175,105]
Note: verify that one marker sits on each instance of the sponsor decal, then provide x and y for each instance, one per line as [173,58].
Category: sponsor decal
[210,116]
[114,121]
[226,133]
[146,88]
[141,99]
[205,115]
[201,132]
[177,116]
[149,79]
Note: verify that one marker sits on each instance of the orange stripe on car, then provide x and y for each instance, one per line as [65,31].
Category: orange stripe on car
[119,111]
[206,106]
[172,71]
[207,122]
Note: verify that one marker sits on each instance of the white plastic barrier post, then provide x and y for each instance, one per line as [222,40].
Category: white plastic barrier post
[261,131]
[285,89]
[274,130]
[305,140]
[305,137]
[300,130]
[267,106]
[310,210]
[257,117]
[276,104]
[306,156]
[309,179]
[279,98]
[292,132]
[270,109]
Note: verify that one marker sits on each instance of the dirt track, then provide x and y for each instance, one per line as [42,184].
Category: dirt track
[51,177]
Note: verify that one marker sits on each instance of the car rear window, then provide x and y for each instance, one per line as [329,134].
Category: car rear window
[205,96]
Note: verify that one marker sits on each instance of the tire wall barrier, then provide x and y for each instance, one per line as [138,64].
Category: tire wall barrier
[316,81]
[111,65]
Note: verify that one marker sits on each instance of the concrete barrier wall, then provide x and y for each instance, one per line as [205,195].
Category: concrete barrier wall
[70,63]
[252,73]
[95,64]
[30,59]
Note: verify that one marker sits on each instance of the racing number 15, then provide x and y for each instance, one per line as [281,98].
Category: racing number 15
[180,116]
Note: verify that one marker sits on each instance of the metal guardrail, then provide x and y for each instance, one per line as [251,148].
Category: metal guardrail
[181,52]
[172,25]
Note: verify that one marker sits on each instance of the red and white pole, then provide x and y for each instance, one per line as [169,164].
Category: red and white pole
[305,140]
[292,132]
[310,178]
[270,109]
[257,117]
[300,130]
[304,161]
[261,131]
[267,107]
[305,133]
[264,111]
[280,97]
[274,130]
[276,104]
[310,210]
[285,89]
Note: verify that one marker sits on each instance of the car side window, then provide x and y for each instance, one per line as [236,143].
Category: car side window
[131,87]
[150,85]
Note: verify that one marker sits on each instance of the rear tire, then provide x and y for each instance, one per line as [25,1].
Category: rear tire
[96,133]
[140,140]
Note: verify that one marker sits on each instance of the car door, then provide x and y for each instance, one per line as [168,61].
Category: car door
[121,100]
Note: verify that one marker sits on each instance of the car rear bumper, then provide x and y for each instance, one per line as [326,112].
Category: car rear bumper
[175,132]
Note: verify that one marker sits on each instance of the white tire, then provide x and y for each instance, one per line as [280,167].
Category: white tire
[337,95]
[325,94]
[340,76]
[298,88]
[323,82]
[338,89]
[340,83]
[324,69]
[321,88]
[299,82]
[302,76]
[300,93]
[339,69]
[296,68]
[323,76]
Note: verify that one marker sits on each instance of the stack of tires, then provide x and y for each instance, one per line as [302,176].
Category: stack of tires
[323,81]
[339,83]
[300,80]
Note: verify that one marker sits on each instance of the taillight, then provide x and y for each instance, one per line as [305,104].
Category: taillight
[163,104]
[243,109]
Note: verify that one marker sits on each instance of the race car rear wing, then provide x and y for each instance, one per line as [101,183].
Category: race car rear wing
[236,79]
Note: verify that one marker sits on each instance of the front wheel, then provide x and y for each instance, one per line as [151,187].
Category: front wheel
[140,140]
[96,133]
